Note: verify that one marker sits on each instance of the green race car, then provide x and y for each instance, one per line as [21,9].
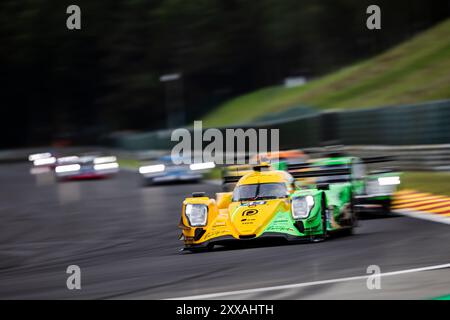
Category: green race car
[372,191]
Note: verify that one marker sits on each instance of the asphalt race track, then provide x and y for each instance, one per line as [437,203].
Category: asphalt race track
[125,240]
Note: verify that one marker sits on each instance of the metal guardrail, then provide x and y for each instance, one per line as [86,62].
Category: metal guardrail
[405,158]
[417,136]
[424,123]
[434,157]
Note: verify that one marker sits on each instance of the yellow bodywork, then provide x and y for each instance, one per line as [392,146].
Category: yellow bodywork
[228,218]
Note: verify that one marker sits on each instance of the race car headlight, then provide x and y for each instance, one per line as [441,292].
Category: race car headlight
[101,160]
[106,166]
[197,214]
[152,169]
[34,157]
[202,166]
[67,168]
[301,207]
[44,161]
[388,181]
[63,160]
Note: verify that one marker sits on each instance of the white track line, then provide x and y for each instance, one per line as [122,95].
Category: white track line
[423,215]
[307,284]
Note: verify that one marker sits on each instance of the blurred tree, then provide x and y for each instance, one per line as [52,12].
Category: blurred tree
[79,84]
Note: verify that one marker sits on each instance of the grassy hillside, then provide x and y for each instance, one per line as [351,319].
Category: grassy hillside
[433,182]
[414,71]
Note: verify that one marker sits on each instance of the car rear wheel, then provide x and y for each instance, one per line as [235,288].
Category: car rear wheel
[353,220]
[386,207]
[324,219]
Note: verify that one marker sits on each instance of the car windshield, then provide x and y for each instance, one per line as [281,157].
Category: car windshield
[260,191]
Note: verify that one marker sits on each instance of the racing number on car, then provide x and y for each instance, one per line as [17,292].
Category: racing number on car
[249,212]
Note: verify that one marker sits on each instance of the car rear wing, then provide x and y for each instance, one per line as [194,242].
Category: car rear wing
[320,174]
[298,171]
[301,171]
[379,159]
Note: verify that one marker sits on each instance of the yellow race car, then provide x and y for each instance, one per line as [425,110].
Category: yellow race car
[266,204]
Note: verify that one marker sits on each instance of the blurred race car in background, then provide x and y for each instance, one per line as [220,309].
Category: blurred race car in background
[267,204]
[373,191]
[85,167]
[380,186]
[164,170]
[42,162]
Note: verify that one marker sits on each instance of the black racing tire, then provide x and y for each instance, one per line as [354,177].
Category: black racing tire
[146,182]
[348,231]
[323,215]
[386,207]
[354,221]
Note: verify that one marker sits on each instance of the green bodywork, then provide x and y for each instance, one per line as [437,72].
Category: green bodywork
[337,201]
[283,222]
[446,298]
[337,198]
[358,179]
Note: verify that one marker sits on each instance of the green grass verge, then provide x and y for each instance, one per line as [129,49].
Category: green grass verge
[132,164]
[414,71]
[433,182]
[214,174]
